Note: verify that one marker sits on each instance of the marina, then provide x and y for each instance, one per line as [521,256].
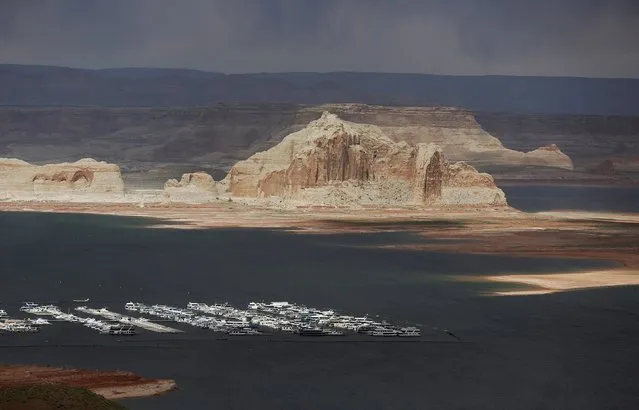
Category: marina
[258,319]
[263,318]
[224,322]
[308,321]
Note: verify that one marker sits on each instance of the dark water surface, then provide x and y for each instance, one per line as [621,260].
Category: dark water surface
[571,351]
[537,198]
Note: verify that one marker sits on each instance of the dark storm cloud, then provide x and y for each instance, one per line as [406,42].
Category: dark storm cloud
[543,37]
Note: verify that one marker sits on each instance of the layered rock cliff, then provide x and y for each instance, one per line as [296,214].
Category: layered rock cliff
[336,162]
[86,178]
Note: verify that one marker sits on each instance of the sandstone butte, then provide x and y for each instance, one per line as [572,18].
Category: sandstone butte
[335,162]
[193,187]
[86,178]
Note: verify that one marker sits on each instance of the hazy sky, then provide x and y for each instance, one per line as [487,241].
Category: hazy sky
[596,38]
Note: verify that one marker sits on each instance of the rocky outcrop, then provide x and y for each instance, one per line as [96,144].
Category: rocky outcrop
[85,178]
[195,186]
[549,156]
[336,162]
[606,168]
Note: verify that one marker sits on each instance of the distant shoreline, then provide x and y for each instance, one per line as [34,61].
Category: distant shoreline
[567,183]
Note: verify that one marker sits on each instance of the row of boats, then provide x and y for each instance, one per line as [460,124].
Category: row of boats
[259,318]
[101,326]
[264,318]
[19,325]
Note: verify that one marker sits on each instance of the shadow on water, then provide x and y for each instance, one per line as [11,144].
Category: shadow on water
[59,257]
[538,198]
[519,347]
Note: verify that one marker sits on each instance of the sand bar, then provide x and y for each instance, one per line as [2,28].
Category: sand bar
[562,282]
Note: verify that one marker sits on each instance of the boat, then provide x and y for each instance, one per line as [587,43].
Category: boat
[117,330]
[81,300]
[311,331]
[243,332]
[382,332]
[3,313]
[40,321]
[19,326]
[28,306]
[330,332]
[409,332]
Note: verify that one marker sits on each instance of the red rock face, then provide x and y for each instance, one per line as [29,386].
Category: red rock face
[341,158]
[79,177]
[434,177]
[334,159]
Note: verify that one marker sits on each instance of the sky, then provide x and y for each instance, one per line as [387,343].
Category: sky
[585,38]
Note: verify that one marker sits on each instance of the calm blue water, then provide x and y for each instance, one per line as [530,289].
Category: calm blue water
[567,351]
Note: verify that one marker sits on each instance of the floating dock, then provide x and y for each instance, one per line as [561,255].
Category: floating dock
[128,320]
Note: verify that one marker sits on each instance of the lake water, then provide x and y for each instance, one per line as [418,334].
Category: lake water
[576,350]
[537,198]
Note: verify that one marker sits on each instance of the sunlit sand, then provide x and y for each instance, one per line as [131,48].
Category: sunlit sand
[562,282]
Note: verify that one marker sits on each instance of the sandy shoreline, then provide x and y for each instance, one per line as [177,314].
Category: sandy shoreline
[112,385]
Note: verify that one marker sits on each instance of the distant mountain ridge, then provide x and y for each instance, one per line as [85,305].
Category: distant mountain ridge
[26,85]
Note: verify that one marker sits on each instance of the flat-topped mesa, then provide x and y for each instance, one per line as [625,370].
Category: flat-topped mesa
[455,130]
[343,163]
[80,179]
[196,186]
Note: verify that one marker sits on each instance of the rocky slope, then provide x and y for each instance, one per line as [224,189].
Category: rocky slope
[336,162]
[85,179]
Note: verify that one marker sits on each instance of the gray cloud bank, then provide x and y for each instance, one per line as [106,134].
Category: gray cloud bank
[591,38]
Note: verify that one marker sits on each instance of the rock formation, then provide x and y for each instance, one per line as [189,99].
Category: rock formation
[456,131]
[214,138]
[549,156]
[606,168]
[81,179]
[335,162]
[195,186]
